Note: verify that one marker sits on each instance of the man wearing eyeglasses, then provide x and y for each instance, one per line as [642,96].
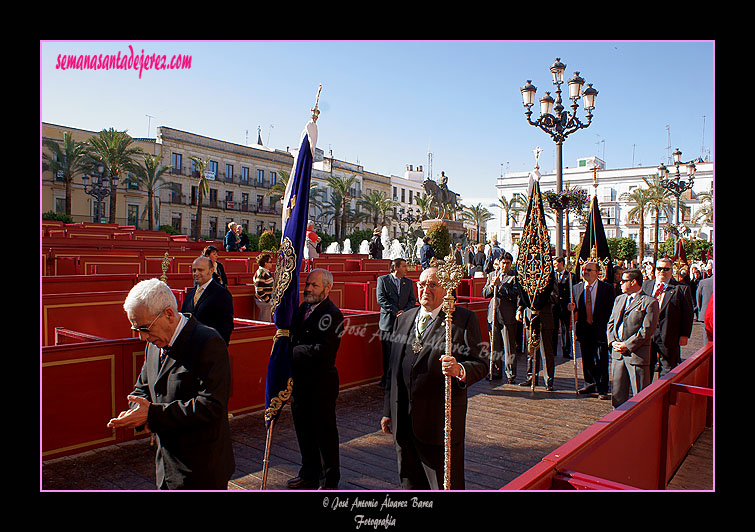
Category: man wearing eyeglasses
[593,300]
[675,318]
[181,394]
[630,330]
[415,390]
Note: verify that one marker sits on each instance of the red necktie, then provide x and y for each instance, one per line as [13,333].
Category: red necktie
[659,293]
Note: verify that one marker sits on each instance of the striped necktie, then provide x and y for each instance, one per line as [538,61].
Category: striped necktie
[198,293]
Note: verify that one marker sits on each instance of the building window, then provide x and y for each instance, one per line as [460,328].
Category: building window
[175,221]
[410,196]
[403,195]
[213,197]
[175,160]
[60,205]
[213,167]
[260,177]
[244,175]
[273,178]
[132,215]
[395,194]
[229,173]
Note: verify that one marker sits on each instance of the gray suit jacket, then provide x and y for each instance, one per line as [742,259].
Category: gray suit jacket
[639,323]
[506,298]
[392,300]
[704,292]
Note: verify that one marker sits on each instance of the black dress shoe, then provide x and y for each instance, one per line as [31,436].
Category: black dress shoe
[590,388]
[604,396]
[299,483]
[548,387]
[512,380]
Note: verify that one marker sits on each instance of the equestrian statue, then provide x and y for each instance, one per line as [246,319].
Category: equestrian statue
[443,199]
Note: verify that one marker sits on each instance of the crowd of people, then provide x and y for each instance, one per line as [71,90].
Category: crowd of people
[632,326]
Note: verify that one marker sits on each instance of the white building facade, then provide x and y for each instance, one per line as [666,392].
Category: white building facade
[611,185]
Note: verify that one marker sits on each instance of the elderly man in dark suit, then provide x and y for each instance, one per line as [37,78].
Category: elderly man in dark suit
[502,318]
[675,319]
[630,329]
[395,294]
[315,337]
[414,394]
[181,394]
[210,303]
[593,300]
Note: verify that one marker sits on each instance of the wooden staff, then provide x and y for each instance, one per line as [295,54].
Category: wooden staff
[492,330]
[449,276]
[573,332]
[266,459]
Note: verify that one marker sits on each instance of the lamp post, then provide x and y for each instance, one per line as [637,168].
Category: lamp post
[558,122]
[100,187]
[675,184]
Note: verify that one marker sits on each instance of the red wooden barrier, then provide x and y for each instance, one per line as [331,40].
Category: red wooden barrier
[640,444]
[97,376]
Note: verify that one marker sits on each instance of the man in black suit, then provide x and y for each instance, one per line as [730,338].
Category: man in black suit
[502,317]
[181,394]
[593,300]
[561,315]
[414,394]
[315,336]
[210,303]
[395,294]
[675,318]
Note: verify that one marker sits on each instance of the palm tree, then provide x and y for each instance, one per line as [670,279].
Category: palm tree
[114,149]
[425,206]
[659,204]
[478,215]
[377,206]
[509,207]
[641,197]
[150,177]
[66,162]
[203,188]
[341,194]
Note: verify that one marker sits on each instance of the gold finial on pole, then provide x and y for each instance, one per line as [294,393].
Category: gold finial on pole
[315,110]
[449,277]
[166,265]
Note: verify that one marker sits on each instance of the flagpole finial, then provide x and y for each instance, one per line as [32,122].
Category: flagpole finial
[315,110]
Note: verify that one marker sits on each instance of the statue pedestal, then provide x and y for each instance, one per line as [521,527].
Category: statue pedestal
[455,227]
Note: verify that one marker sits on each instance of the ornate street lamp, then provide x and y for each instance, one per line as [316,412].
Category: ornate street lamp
[558,123]
[100,187]
[675,184]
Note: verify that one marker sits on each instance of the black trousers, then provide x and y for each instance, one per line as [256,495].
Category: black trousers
[420,465]
[594,363]
[314,412]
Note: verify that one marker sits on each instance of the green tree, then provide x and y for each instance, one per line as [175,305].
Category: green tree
[377,206]
[641,197]
[659,204]
[203,188]
[341,195]
[440,240]
[66,162]
[116,151]
[149,176]
[479,216]
[268,241]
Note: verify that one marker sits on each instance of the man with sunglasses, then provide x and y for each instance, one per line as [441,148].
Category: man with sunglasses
[630,329]
[675,318]
[181,394]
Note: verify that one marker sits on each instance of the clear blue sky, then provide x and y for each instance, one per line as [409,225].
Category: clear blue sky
[386,104]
